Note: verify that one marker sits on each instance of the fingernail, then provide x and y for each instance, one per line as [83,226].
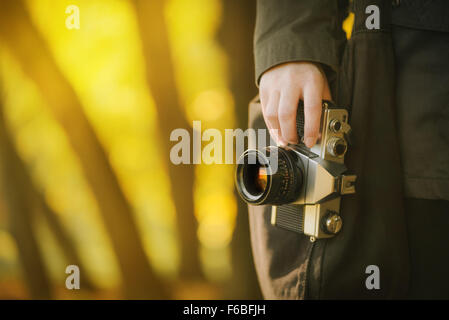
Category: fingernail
[309,141]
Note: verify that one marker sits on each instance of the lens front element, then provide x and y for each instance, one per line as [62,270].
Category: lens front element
[257,182]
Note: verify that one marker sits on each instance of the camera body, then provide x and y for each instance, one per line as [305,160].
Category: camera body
[316,212]
[307,186]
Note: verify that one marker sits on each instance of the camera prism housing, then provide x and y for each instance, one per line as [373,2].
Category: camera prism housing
[306,187]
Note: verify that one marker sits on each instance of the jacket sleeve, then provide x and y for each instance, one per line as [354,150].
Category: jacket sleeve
[298,30]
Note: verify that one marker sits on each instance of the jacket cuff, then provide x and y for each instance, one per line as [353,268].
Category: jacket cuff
[293,48]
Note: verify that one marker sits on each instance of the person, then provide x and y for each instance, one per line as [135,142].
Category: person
[298,48]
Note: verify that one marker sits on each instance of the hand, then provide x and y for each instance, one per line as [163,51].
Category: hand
[280,90]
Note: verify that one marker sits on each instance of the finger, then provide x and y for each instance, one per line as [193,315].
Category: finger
[326,96]
[288,106]
[270,114]
[326,92]
[263,95]
[271,133]
[312,113]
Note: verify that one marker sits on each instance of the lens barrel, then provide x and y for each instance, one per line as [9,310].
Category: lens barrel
[258,182]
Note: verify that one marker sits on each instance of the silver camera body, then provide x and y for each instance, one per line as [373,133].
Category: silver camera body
[316,211]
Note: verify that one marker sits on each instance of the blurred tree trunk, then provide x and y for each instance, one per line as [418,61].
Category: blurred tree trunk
[64,241]
[37,205]
[20,208]
[161,79]
[31,51]
[236,36]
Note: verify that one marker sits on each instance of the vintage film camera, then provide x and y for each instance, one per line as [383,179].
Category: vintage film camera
[306,185]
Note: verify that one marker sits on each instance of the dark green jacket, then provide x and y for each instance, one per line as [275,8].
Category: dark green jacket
[310,30]
[299,30]
[289,266]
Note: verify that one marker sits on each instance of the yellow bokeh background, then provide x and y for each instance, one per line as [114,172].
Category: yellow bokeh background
[104,63]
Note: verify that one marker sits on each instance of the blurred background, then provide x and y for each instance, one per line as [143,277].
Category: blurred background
[85,122]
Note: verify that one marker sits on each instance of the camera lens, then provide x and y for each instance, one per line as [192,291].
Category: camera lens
[260,182]
[261,179]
